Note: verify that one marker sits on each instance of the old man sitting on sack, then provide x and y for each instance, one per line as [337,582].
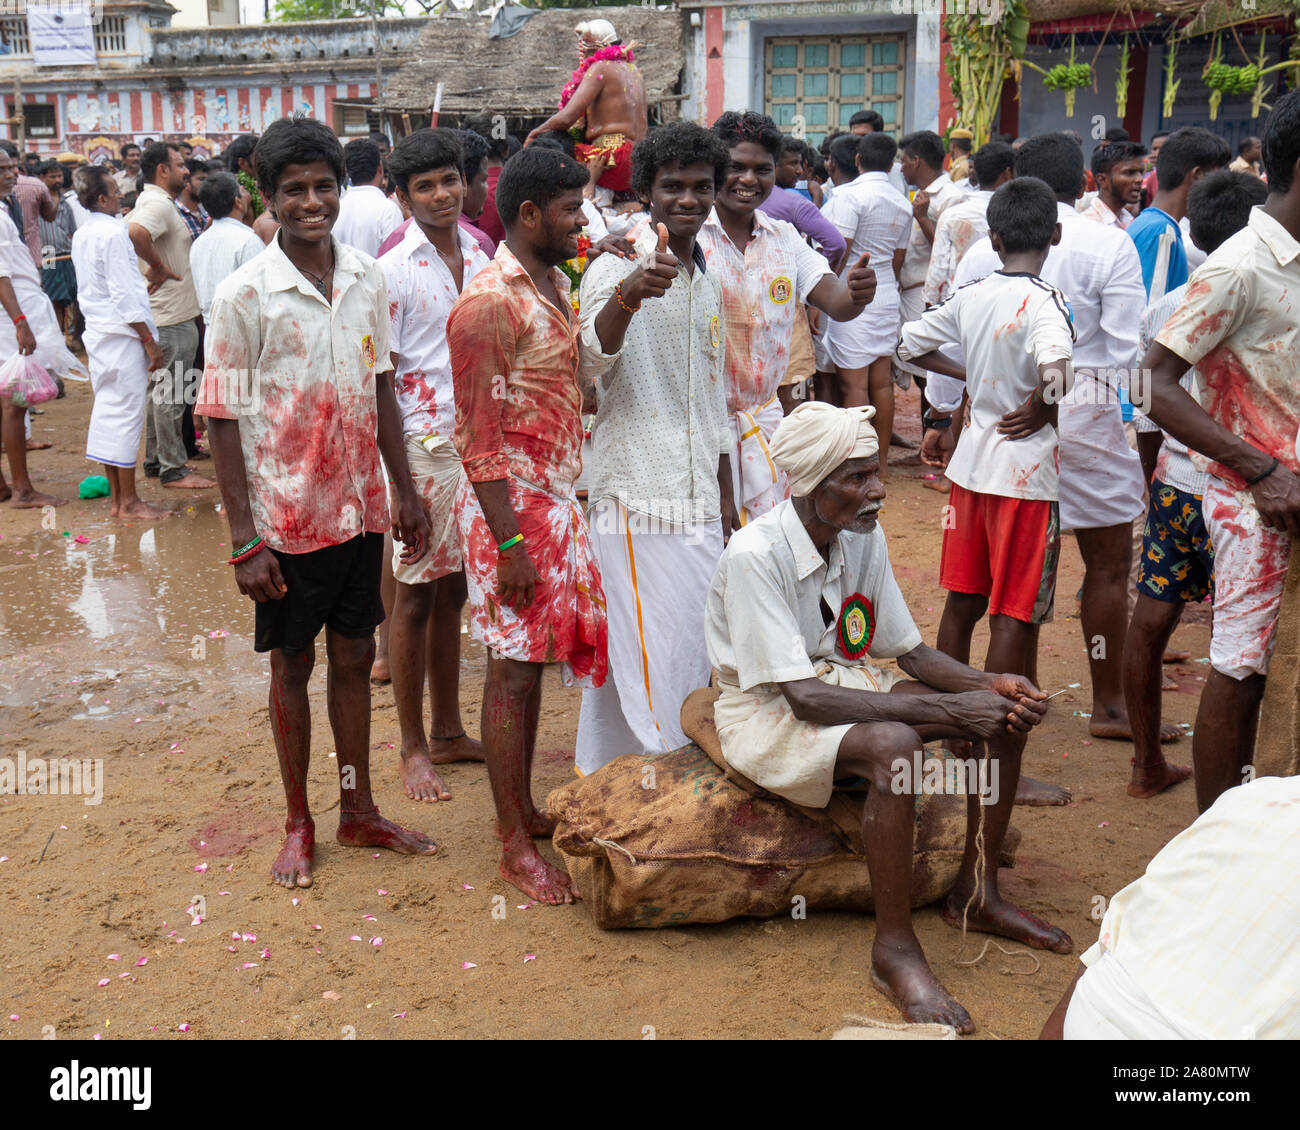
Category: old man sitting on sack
[803,599]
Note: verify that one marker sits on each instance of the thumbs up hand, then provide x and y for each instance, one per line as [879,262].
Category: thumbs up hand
[861,281]
[653,275]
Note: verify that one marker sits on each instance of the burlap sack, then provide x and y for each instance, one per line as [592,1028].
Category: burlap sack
[669,839]
[1277,741]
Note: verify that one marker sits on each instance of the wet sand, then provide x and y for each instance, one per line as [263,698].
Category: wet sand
[134,647]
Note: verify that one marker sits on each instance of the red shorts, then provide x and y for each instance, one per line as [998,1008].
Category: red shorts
[617,176]
[1003,548]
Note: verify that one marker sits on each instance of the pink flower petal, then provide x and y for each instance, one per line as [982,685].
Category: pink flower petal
[200,867]
[143,961]
[355,938]
[468,965]
[266,953]
[295,901]
[316,926]
[399,1016]
[232,949]
[376,941]
[103,982]
[249,965]
[369,918]
[14,1015]
[183,1027]
[529,957]
[381,891]
[467,886]
[114,957]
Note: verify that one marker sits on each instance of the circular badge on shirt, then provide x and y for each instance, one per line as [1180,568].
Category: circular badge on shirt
[781,290]
[368,350]
[714,335]
[857,624]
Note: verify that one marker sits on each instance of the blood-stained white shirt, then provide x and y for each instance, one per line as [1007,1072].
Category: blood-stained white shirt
[366,218]
[421,293]
[111,291]
[943,194]
[1007,325]
[961,226]
[760,286]
[1099,212]
[298,374]
[1239,324]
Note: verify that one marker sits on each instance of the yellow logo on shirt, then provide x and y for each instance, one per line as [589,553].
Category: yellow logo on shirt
[714,335]
[368,350]
[781,290]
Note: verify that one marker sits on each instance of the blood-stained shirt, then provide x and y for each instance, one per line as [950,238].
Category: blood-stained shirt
[959,228]
[298,374]
[760,286]
[1099,212]
[514,365]
[1239,324]
[421,293]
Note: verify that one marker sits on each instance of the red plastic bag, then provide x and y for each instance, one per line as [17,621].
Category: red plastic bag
[24,380]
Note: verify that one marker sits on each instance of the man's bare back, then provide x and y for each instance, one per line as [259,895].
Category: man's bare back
[619,105]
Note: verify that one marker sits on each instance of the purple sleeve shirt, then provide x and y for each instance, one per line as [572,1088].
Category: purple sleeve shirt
[807,219]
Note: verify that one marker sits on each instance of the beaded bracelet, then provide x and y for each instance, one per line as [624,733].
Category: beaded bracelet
[510,543]
[618,297]
[253,548]
[20,318]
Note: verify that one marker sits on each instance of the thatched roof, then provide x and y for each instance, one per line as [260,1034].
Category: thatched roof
[522,76]
[1205,15]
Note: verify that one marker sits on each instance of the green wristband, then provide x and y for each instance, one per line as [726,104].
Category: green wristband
[510,543]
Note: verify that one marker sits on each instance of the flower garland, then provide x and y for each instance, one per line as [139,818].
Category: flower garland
[615,51]
[255,196]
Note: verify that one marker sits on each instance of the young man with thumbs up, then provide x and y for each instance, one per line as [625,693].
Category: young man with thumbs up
[766,271]
[660,482]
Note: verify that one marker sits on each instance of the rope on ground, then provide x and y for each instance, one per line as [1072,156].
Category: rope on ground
[612,844]
[1010,953]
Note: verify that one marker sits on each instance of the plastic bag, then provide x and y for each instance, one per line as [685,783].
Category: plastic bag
[25,381]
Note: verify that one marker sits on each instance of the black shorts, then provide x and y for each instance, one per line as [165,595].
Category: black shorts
[336,587]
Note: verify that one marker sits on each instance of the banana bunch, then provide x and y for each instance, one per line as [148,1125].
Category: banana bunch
[1067,76]
[1226,79]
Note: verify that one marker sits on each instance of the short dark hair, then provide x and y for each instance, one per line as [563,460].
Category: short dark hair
[1219,204]
[127,149]
[423,151]
[1191,147]
[793,145]
[378,135]
[216,165]
[1158,135]
[48,165]
[735,128]
[539,174]
[363,160]
[1106,157]
[129,199]
[1023,214]
[1246,143]
[194,165]
[90,182]
[1054,159]
[556,139]
[1117,133]
[218,194]
[925,144]
[9,147]
[159,153]
[241,148]
[680,143]
[868,118]
[991,161]
[875,152]
[474,150]
[295,141]
[844,153]
[1281,142]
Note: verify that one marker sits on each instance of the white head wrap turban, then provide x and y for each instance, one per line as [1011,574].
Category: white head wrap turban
[817,437]
[599,33]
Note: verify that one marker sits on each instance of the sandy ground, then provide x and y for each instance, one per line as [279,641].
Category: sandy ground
[134,647]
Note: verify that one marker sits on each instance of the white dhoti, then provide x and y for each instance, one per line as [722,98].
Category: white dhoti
[656,577]
[873,334]
[1101,476]
[119,376]
[756,483]
[1108,1004]
[761,737]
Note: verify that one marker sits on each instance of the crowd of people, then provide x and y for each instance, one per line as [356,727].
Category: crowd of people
[640,424]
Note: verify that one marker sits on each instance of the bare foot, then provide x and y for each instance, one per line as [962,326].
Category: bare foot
[936,482]
[191,481]
[33,500]
[379,672]
[1006,920]
[420,779]
[524,868]
[906,981]
[38,445]
[141,511]
[1168,684]
[1175,656]
[369,829]
[1147,782]
[292,867]
[443,751]
[1039,793]
[1113,724]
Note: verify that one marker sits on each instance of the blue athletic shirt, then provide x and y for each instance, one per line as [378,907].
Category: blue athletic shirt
[1145,232]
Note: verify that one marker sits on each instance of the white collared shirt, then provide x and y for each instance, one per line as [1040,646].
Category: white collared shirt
[1239,324]
[873,217]
[661,416]
[421,293]
[298,373]
[961,226]
[943,193]
[760,283]
[366,218]
[111,291]
[763,622]
[217,252]
[1007,325]
[1099,212]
